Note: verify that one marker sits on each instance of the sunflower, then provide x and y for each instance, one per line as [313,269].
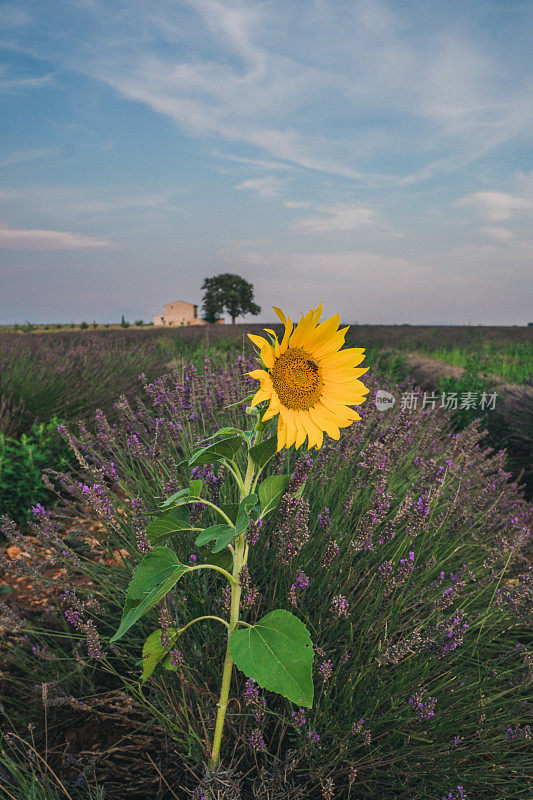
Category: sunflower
[308,380]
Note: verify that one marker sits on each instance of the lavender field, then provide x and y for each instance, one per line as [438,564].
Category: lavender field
[403,546]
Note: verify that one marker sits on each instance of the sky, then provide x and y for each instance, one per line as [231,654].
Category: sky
[373,155]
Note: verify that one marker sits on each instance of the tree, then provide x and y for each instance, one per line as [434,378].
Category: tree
[229,293]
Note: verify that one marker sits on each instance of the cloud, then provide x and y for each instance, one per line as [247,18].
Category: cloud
[496,206]
[392,79]
[18,84]
[497,233]
[28,239]
[26,155]
[339,218]
[267,187]
[72,202]
[13,17]
[254,162]
[297,204]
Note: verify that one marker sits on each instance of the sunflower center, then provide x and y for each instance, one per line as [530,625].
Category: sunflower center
[297,379]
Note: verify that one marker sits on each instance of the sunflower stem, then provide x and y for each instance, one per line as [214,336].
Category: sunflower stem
[239,560]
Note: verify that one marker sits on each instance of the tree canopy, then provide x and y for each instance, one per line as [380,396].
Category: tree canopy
[228,293]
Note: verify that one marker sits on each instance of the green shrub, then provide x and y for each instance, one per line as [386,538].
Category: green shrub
[124,323]
[21,464]
[84,326]
[139,323]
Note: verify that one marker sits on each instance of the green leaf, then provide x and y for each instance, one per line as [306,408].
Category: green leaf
[195,488]
[228,431]
[176,499]
[262,453]
[166,663]
[163,527]
[222,559]
[155,576]
[214,533]
[180,514]
[224,448]
[224,540]
[230,510]
[240,402]
[243,516]
[154,651]
[270,491]
[278,654]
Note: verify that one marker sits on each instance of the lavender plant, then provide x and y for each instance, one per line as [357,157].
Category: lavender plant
[448,625]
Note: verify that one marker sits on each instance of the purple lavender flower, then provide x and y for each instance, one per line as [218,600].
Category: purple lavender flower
[299,717]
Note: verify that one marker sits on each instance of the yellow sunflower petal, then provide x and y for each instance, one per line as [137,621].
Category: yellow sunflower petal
[301,433]
[289,419]
[321,334]
[337,410]
[273,408]
[345,375]
[279,314]
[282,434]
[259,341]
[266,352]
[333,344]
[259,397]
[274,346]
[323,416]
[349,357]
[325,423]
[314,434]
[349,386]
[259,374]
[305,325]
[285,341]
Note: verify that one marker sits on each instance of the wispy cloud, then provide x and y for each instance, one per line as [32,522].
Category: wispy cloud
[496,206]
[19,84]
[497,233]
[341,218]
[28,239]
[254,162]
[267,187]
[243,73]
[26,155]
[73,202]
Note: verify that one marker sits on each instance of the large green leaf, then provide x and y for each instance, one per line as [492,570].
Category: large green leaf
[155,576]
[163,527]
[221,534]
[270,492]
[224,448]
[262,453]
[154,651]
[243,515]
[278,654]
[230,510]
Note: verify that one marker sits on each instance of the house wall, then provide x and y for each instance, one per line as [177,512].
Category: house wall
[177,314]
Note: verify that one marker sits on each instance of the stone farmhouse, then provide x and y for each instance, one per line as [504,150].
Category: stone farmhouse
[180,313]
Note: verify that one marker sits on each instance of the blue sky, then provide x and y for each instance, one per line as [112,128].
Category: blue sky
[373,155]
